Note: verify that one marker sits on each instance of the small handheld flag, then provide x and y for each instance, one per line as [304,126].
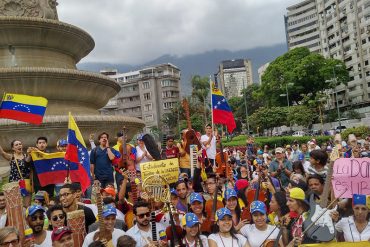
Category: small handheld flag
[77,155]
[24,108]
[221,110]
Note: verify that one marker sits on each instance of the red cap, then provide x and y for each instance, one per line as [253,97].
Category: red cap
[111,191]
[241,184]
[58,233]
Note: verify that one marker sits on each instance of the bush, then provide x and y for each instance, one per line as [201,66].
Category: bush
[361,131]
[274,141]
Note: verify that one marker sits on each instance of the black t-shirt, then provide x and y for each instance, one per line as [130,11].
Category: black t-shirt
[89,216]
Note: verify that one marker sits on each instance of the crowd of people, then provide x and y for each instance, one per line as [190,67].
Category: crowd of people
[255,196]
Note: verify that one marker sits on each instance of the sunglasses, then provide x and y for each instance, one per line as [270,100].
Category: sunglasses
[34,218]
[56,217]
[141,216]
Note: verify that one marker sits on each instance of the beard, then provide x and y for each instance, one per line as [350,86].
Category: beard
[144,223]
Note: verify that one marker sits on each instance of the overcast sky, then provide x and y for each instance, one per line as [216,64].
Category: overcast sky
[137,31]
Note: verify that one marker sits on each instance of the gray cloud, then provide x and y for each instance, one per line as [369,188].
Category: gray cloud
[136,31]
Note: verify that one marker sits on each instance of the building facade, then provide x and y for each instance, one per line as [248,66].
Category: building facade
[146,94]
[261,70]
[233,76]
[344,34]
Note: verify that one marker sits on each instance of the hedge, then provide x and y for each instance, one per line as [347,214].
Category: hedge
[360,131]
[240,141]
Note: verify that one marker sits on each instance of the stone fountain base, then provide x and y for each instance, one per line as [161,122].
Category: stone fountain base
[56,127]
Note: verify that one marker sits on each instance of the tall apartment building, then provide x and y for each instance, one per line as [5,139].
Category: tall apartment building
[233,76]
[302,26]
[344,34]
[146,94]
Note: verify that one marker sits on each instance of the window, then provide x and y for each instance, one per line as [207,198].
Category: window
[168,105]
[148,118]
[146,84]
[147,96]
[168,83]
[148,107]
[170,94]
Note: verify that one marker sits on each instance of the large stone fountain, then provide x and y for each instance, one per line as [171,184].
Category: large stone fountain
[38,56]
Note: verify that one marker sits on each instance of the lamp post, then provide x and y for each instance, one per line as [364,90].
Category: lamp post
[287,99]
[246,108]
[336,94]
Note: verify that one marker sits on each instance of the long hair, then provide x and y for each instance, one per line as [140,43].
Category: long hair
[233,232]
[197,238]
[280,197]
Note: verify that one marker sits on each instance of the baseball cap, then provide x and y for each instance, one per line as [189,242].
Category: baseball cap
[139,137]
[189,220]
[300,156]
[40,195]
[258,206]
[279,150]
[259,152]
[62,143]
[58,233]
[297,193]
[31,210]
[288,146]
[109,210]
[222,212]
[174,192]
[111,191]
[195,197]
[230,193]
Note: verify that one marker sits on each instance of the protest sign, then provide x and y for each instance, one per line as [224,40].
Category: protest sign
[334,244]
[353,175]
[169,169]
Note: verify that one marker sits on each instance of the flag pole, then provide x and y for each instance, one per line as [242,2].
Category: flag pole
[210,85]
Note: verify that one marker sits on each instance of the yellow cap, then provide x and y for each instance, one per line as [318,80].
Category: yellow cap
[297,193]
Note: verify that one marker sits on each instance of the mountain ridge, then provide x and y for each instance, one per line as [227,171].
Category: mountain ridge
[203,64]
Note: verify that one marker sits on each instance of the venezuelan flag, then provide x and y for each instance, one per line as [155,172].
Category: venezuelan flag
[25,108]
[221,110]
[77,155]
[51,168]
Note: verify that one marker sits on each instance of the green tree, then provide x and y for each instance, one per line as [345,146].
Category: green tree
[301,73]
[266,118]
[200,91]
[300,115]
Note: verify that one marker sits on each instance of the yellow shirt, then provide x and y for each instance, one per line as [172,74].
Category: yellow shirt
[184,161]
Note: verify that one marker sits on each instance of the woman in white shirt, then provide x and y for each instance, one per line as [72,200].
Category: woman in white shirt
[354,228]
[142,154]
[225,235]
[260,231]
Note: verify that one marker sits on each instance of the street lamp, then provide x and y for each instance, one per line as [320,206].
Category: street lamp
[287,100]
[336,94]
[246,108]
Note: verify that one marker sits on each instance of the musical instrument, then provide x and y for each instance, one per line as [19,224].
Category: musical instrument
[126,161]
[175,230]
[129,216]
[152,147]
[223,168]
[253,195]
[323,230]
[102,235]
[157,190]
[193,158]
[190,137]
[272,243]
[212,206]
[76,221]
[14,208]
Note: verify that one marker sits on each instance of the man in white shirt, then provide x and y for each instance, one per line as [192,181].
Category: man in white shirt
[109,218]
[141,232]
[35,220]
[209,144]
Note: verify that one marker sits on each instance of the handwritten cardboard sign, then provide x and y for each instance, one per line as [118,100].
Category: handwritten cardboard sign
[169,169]
[352,174]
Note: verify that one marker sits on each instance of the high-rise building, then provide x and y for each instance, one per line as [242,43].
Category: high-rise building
[344,34]
[233,76]
[261,70]
[302,27]
[146,94]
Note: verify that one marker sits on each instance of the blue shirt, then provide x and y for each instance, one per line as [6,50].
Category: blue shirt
[283,177]
[103,165]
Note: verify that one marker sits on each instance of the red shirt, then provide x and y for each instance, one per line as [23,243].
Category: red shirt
[172,152]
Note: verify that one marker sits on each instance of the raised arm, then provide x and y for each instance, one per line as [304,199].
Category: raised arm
[4,154]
